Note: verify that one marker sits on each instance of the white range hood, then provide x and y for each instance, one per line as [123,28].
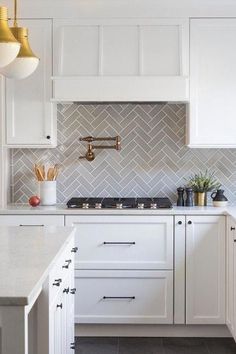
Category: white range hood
[121,60]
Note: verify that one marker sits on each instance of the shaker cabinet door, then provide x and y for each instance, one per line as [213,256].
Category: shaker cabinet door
[205,269]
[211,120]
[30,116]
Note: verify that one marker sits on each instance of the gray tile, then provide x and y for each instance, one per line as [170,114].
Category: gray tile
[141,346]
[221,345]
[185,346]
[96,345]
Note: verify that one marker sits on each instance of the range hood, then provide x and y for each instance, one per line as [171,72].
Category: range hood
[121,60]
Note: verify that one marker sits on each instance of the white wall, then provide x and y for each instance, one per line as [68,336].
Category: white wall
[124,8]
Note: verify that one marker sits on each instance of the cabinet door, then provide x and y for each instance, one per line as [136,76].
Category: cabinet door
[230,273]
[56,326]
[205,270]
[123,242]
[30,116]
[212,83]
[124,297]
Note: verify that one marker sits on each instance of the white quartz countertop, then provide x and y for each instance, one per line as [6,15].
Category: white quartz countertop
[61,209]
[27,255]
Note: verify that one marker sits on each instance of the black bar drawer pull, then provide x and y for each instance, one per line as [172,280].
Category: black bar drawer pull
[73,291]
[118,297]
[232,228]
[118,243]
[60,306]
[74,249]
[41,225]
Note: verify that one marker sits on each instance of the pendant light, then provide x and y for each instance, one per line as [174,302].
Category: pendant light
[9,46]
[26,61]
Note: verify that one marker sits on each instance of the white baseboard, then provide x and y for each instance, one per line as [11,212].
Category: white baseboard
[151,331]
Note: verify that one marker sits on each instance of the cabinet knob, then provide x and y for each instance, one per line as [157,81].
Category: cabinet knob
[73,291]
[68,263]
[180,222]
[66,290]
[74,249]
[72,345]
[57,282]
[190,222]
[59,306]
[232,228]
[48,137]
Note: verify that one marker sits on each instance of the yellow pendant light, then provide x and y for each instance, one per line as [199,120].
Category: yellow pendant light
[9,46]
[26,61]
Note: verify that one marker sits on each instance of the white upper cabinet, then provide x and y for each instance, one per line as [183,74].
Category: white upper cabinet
[121,60]
[30,116]
[212,114]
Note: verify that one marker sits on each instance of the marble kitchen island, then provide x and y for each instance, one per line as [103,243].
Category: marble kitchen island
[37,265]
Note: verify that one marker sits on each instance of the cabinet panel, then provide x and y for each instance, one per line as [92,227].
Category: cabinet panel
[120,50]
[123,242]
[160,50]
[124,297]
[30,116]
[79,54]
[212,83]
[205,270]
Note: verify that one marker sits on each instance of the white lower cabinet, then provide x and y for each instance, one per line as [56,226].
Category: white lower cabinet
[205,269]
[131,297]
[124,269]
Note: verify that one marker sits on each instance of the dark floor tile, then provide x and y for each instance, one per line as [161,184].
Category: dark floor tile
[141,346]
[221,345]
[185,346]
[96,345]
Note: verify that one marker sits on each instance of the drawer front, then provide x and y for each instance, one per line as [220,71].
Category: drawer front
[133,297]
[123,242]
[32,220]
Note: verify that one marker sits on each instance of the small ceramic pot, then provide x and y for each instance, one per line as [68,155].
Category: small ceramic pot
[48,192]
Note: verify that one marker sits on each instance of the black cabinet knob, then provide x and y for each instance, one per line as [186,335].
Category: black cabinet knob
[74,249]
[180,222]
[72,345]
[190,222]
[48,137]
[73,291]
[66,290]
[232,228]
[59,306]
[57,282]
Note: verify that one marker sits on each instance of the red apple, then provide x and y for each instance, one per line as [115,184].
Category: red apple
[34,201]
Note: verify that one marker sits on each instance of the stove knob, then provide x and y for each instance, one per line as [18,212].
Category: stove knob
[153,205]
[98,205]
[140,205]
[85,205]
[119,205]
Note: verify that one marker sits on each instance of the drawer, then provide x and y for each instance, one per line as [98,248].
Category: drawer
[132,297]
[62,272]
[123,242]
[32,220]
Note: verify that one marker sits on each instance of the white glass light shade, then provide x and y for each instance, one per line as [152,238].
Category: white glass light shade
[9,46]
[20,68]
[8,52]
[26,61]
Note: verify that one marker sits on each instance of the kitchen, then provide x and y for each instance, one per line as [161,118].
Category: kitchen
[127,101]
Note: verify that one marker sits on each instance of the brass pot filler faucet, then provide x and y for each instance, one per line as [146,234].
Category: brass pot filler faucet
[90,155]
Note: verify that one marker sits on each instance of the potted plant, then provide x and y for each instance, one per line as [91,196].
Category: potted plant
[201,183]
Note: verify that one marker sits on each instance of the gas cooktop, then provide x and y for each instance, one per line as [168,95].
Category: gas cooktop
[119,203]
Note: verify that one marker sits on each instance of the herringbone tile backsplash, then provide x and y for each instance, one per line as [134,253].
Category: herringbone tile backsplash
[153,161]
